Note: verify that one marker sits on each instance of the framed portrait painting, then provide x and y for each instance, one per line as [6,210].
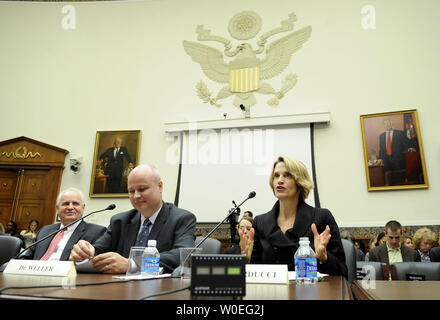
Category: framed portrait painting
[393,151]
[116,154]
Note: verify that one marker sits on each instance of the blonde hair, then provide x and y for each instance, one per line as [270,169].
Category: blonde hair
[423,233]
[299,172]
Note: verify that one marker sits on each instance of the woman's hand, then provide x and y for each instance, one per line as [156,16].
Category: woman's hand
[321,241]
[247,242]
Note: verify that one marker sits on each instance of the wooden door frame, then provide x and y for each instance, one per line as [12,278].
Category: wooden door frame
[29,154]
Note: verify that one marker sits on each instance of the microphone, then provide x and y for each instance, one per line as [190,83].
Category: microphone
[110,207]
[177,272]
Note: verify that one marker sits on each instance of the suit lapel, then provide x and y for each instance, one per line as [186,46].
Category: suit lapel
[303,220]
[405,254]
[161,219]
[41,248]
[384,254]
[130,233]
[301,226]
[74,238]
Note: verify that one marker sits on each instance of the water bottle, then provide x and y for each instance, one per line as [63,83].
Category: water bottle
[306,266]
[150,260]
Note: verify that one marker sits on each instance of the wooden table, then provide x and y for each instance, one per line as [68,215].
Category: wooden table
[397,290]
[332,288]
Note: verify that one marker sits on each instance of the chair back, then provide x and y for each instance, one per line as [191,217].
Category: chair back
[429,271]
[9,248]
[434,254]
[373,270]
[350,259]
[210,245]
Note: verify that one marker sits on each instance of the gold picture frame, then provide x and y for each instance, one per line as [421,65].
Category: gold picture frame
[116,154]
[396,160]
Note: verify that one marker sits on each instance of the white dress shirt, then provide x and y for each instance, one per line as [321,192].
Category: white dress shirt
[56,255]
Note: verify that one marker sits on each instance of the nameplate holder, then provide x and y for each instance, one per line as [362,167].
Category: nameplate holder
[415,277]
[41,268]
[267,273]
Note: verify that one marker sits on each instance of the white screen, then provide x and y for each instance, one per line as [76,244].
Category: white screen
[222,165]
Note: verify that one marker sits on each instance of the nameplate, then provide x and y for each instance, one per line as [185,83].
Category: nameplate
[267,273]
[41,268]
[415,277]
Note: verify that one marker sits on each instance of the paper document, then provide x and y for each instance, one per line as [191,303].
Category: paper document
[86,266]
[140,277]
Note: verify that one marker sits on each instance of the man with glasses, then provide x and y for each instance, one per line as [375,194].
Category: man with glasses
[392,251]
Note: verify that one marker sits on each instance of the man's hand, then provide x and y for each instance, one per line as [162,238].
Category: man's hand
[111,262]
[81,251]
[321,241]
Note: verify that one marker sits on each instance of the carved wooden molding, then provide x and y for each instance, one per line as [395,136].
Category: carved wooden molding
[20,153]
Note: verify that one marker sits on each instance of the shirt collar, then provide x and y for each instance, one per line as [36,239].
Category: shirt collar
[153,217]
[421,254]
[71,228]
[394,250]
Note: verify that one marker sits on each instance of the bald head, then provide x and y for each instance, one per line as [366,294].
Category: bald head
[145,189]
[147,170]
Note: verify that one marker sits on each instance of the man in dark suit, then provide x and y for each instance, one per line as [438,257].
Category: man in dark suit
[392,251]
[434,254]
[393,146]
[151,219]
[70,206]
[114,165]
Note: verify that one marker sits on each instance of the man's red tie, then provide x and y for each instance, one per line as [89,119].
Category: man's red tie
[388,143]
[53,245]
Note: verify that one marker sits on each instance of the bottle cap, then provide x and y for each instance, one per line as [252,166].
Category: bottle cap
[304,239]
[151,243]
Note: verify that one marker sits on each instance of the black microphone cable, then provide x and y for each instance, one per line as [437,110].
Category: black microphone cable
[110,207]
[164,293]
[67,286]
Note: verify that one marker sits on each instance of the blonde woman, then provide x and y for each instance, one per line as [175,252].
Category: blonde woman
[30,234]
[274,237]
[424,239]
[408,242]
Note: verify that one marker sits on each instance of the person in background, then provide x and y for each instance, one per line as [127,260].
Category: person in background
[12,230]
[30,233]
[2,229]
[359,245]
[381,239]
[408,242]
[375,242]
[244,226]
[248,214]
[274,237]
[424,239]
[391,251]
[360,255]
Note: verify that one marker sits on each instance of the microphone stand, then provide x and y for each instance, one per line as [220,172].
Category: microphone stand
[110,207]
[231,212]
[232,219]
[178,271]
